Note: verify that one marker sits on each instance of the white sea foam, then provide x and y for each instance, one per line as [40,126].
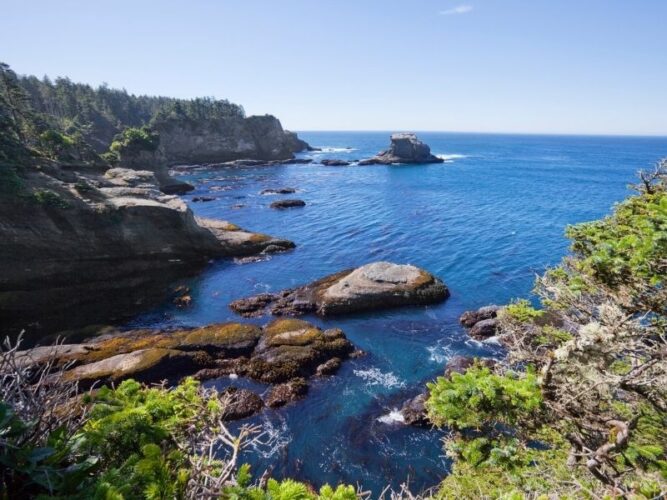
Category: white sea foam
[335,150]
[233,376]
[439,353]
[276,438]
[373,376]
[495,340]
[449,158]
[393,417]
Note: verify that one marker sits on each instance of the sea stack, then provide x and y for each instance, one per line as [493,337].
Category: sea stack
[404,148]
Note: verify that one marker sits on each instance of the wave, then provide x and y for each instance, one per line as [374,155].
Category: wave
[275,438]
[326,149]
[451,157]
[393,417]
[373,376]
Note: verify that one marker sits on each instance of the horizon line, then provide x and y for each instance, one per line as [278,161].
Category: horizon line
[558,134]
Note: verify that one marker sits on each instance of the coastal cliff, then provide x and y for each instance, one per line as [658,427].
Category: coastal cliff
[84,242]
[102,245]
[213,141]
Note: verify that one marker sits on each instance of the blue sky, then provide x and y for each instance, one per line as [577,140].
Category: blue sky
[541,66]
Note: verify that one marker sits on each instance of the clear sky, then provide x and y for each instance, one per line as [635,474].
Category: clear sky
[542,66]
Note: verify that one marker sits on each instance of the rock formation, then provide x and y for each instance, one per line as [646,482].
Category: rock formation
[373,286]
[404,148]
[482,323]
[184,141]
[97,245]
[284,353]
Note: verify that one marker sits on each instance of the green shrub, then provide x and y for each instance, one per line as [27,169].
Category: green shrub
[48,198]
[521,311]
[478,398]
[135,139]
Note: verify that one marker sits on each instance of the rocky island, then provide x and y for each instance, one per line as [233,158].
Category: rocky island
[404,148]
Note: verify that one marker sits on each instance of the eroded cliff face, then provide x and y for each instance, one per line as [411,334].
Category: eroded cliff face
[185,141]
[100,245]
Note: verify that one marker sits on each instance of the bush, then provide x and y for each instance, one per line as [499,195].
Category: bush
[48,198]
[135,139]
[521,311]
[479,398]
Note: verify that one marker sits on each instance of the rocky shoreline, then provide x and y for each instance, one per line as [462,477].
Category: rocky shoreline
[284,353]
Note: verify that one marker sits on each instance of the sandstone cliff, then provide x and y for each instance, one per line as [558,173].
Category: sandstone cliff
[97,245]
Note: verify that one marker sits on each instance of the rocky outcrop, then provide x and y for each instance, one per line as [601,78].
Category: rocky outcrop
[481,323]
[414,411]
[285,351]
[282,204]
[373,286]
[287,392]
[469,318]
[240,403]
[99,245]
[184,141]
[334,163]
[404,148]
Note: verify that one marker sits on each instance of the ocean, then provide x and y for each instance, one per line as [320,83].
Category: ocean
[486,221]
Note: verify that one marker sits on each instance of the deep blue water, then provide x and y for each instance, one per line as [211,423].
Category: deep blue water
[486,221]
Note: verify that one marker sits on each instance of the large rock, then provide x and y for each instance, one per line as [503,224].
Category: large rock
[373,286]
[145,365]
[404,148]
[484,329]
[293,348]
[99,247]
[285,351]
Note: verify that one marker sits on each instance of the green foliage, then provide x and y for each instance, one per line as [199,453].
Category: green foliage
[48,198]
[507,468]
[521,311]
[287,489]
[54,144]
[627,246]
[135,139]
[478,398]
[129,449]
[27,467]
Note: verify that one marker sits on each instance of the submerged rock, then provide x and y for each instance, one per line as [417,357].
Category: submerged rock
[404,148]
[281,204]
[287,190]
[373,286]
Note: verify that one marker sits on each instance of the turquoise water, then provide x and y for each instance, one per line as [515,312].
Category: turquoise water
[486,222]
